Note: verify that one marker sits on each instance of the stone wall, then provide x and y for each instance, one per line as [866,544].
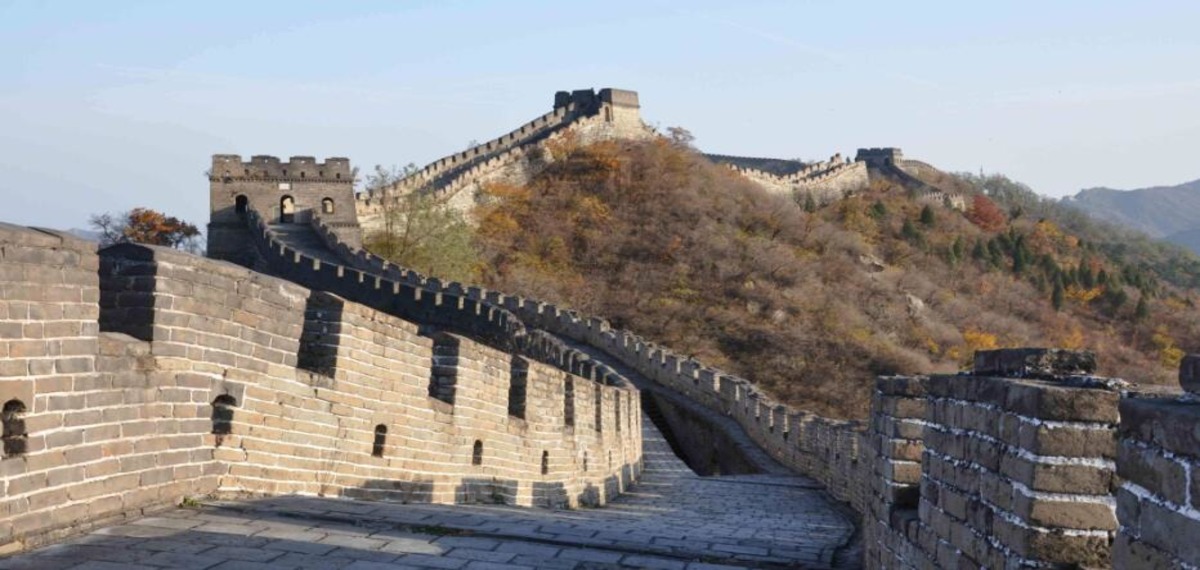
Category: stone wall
[825,449]
[212,379]
[1026,465]
[92,431]
[824,181]
[586,115]
[1158,462]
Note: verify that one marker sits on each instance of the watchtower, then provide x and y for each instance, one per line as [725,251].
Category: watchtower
[879,156]
[292,192]
[619,107]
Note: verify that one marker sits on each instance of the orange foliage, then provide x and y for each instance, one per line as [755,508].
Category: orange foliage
[144,225]
[985,214]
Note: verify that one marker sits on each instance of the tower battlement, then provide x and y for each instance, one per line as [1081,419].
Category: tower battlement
[334,169]
[590,98]
[879,156]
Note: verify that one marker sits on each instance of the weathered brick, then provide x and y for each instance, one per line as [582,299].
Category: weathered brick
[1150,469]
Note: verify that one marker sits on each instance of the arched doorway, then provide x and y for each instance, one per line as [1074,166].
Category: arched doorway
[287,210]
[241,204]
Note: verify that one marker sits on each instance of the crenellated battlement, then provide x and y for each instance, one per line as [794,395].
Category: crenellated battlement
[296,168]
[879,155]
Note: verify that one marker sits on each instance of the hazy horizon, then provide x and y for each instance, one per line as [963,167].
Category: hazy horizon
[109,106]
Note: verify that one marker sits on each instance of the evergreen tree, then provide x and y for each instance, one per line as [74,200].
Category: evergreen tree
[958,248]
[1141,312]
[1056,296]
[927,217]
[910,232]
[977,253]
[878,210]
[810,205]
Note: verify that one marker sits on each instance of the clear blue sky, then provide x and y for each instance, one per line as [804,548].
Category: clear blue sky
[110,105]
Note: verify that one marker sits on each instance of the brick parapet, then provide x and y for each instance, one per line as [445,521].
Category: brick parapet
[825,181]
[115,426]
[1016,472]
[101,434]
[1158,501]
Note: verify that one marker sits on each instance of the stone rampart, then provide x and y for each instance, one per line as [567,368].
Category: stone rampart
[512,157]
[211,379]
[824,181]
[1030,462]
[92,432]
[1158,463]
[824,449]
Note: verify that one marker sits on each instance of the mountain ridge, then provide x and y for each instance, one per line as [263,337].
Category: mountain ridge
[1165,212]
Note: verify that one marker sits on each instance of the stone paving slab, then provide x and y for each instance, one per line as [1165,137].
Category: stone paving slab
[671,519]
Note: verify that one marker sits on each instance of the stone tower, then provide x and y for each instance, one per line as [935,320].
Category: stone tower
[292,192]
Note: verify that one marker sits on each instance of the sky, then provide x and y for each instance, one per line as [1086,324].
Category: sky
[106,106]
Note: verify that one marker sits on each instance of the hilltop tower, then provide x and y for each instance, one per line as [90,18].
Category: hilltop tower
[618,107]
[292,192]
[880,156]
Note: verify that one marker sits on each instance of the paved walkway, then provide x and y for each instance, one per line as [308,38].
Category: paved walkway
[672,519]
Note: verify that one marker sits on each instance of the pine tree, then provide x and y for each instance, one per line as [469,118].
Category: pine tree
[927,217]
[1141,312]
[810,205]
[978,252]
[878,210]
[910,232]
[1056,296]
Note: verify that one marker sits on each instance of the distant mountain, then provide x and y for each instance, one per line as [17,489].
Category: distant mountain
[1167,212]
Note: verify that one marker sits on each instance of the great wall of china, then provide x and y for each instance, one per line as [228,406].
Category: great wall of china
[137,378]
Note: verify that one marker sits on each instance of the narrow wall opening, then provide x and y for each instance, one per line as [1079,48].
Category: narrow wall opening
[443,374]
[222,417]
[599,405]
[380,442]
[569,401]
[15,436]
[518,380]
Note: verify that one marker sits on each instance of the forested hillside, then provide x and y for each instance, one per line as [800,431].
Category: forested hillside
[813,303]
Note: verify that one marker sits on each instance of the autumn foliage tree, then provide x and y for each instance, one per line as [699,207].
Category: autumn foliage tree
[144,225]
[985,214]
